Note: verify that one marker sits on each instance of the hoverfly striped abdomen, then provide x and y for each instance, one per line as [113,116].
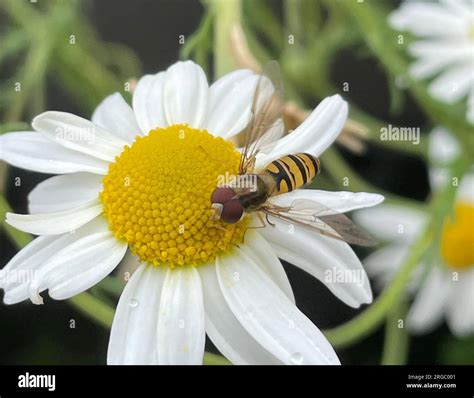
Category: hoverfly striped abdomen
[293,171]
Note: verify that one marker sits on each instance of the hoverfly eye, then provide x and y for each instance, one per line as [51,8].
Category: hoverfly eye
[222,195]
[232,211]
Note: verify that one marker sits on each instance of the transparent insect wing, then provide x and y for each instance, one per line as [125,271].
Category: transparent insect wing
[266,124]
[316,216]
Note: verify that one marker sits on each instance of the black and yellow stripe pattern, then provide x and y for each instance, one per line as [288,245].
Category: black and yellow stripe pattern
[293,171]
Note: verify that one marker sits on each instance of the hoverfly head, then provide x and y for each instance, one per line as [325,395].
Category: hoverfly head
[226,205]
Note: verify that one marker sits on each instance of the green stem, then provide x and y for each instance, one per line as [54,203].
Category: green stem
[31,77]
[294,27]
[214,359]
[14,126]
[198,42]
[227,14]
[364,323]
[397,339]
[256,12]
[95,309]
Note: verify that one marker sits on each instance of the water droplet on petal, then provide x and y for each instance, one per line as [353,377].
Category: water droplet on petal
[133,303]
[297,358]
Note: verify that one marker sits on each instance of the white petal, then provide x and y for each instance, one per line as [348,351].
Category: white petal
[388,222]
[315,134]
[465,191]
[148,102]
[460,310]
[55,223]
[262,252]
[439,177]
[427,19]
[83,264]
[383,263]
[330,260]
[435,55]
[230,103]
[32,151]
[24,267]
[462,8]
[64,192]
[181,331]
[116,116]
[79,134]
[427,310]
[223,328]
[20,270]
[429,66]
[267,314]
[133,335]
[442,146]
[186,94]
[453,84]
[454,50]
[336,202]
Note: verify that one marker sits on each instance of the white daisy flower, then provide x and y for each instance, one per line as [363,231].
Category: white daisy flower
[445,48]
[445,288]
[134,184]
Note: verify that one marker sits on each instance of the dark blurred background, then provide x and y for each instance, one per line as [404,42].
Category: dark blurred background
[42,334]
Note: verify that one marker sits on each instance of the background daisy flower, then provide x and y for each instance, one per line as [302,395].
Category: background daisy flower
[443,287]
[134,184]
[444,46]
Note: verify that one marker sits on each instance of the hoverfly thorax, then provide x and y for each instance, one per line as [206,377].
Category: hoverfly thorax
[247,192]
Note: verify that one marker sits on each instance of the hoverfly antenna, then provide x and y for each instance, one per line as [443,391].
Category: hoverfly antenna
[217,211]
[213,159]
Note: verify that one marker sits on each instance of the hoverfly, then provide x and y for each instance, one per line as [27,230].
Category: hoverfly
[254,188]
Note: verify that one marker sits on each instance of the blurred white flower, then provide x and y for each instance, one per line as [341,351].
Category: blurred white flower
[444,47]
[443,288]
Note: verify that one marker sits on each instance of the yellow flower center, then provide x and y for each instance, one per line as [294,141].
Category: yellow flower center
[157,196]
[457,241]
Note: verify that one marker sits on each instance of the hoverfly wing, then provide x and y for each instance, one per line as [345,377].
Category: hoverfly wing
[266,122]
[349,232]
[316,216]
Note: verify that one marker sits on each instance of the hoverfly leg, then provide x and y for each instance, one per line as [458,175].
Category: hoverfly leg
[219,227]
[268,221]
[260,217]
[262,225]
[213,159]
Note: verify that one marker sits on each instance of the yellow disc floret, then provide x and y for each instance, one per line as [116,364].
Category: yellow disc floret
[157,196]
[457,241]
